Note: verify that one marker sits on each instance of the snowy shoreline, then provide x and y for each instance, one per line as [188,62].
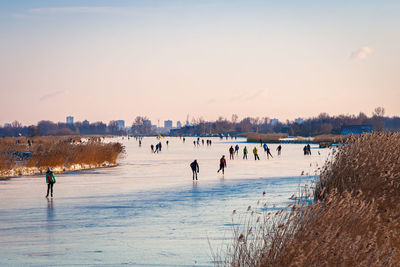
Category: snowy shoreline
[32,171]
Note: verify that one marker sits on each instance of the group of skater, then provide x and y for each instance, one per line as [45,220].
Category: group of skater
[157,148]
[307,150]
[232,152]
[197,142]
[50,178]
[267,150]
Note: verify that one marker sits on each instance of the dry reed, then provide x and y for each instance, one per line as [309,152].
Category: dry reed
[330,138]
[265,138]
[353,222]
[60,152]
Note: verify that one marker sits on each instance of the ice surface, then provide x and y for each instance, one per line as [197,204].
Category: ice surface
[147,211]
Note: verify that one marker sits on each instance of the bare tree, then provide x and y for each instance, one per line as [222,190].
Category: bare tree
[235,118]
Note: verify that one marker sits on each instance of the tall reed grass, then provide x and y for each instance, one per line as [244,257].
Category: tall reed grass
[60,152]
[330,138]
[354,220]
[265,138]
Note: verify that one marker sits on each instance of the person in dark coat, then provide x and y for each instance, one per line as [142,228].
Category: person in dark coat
[195,168]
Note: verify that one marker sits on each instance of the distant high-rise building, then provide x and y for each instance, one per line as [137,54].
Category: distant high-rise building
[299,120]
[274,121]
[178,124]
[121,124]
[168,124]
[70,120]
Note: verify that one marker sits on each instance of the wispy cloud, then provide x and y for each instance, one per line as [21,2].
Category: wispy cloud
[361,53]
[247,96]
[75,10]
[84,10]
[255,94]
[53,94]
[111,10]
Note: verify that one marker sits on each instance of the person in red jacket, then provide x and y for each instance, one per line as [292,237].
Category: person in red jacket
[50,180]
[222,164]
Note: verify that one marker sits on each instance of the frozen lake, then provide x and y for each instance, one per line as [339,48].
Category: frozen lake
[147,211]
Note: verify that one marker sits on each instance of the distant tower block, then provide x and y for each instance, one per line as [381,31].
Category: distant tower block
[121,124]
[168,124]
[70,120]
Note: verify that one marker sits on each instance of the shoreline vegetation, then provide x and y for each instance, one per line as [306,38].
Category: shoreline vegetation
[32,156]
[325,139]
[350,219]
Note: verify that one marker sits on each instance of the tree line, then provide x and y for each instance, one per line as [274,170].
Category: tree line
[44,128]
[322,124]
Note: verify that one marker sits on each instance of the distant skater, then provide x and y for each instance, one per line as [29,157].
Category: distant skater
[279,148]
[222,164]
[50,180]
[245,152]
[305,150]
[255,152]
[265,147]
[195,168]
[152,148]
[269,153]
[167,142]
[231,152]
[309,149]
[237,149]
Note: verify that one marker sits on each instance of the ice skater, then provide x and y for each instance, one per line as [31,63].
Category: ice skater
[255,152]
[222,164]
[237,149]
[245,152]
[50,180]
[309,149]
[279,148]
[269,153]
[195,168]
[231,152]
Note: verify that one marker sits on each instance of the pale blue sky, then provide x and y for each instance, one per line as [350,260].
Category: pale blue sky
[104,60]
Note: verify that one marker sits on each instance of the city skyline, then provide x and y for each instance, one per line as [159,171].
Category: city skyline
[106,60]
